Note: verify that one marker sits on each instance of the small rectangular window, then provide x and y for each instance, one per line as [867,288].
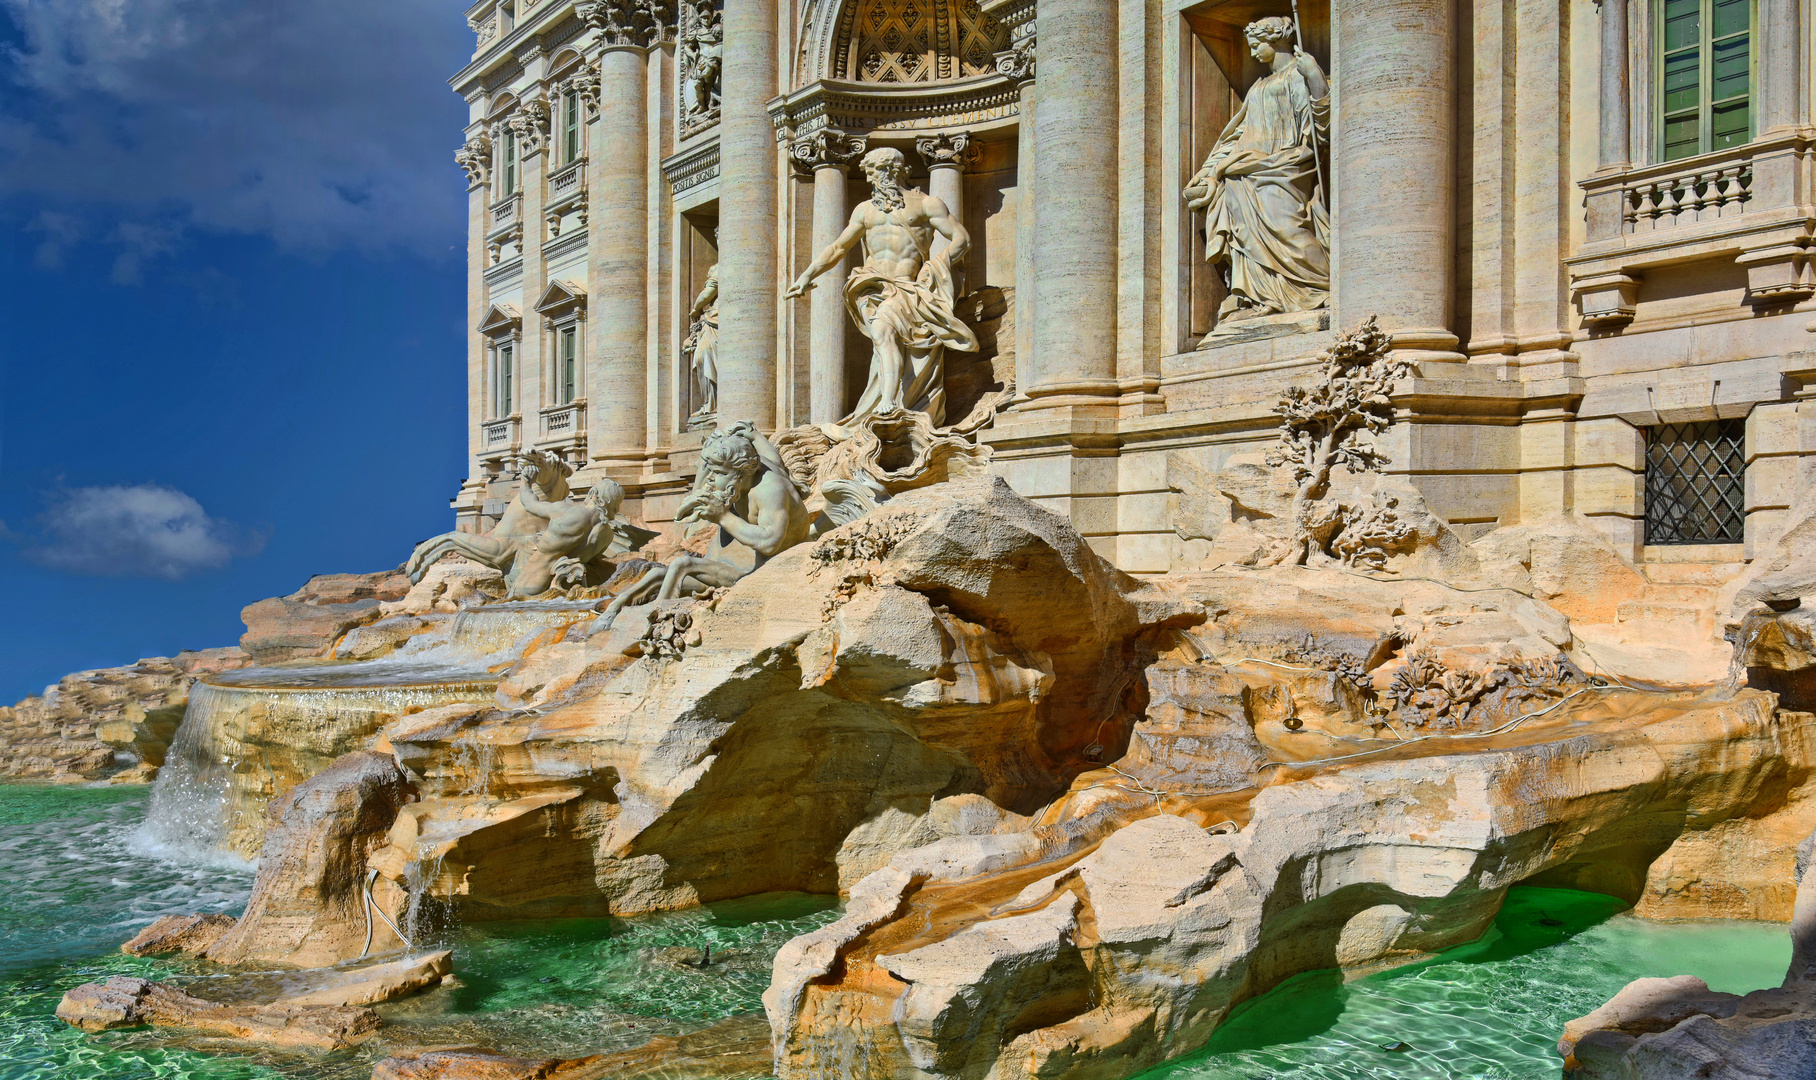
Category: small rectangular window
[510,164]
[1705,76]
[566,361]
[504,380]
[1696,483]
[571,125]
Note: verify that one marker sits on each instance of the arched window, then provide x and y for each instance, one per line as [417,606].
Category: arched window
[1704,75]
[917,41]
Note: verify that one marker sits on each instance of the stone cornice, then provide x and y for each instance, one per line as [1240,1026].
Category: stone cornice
[692,167]
[976,103]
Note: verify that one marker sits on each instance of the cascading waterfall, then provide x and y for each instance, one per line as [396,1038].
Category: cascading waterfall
[188,816]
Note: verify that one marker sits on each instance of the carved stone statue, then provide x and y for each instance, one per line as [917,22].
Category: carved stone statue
[1265,218]
[701,48]
[702,347]
[744,488]
[543,476]
[577,535]
[900,298]
[545,537]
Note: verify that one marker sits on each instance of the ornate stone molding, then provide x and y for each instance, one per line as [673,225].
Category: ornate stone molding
[553,215]
[1017,62]
[475,158]
[947,149]
[585,82]
[691,168]
[640,23]
[826,147]
[485,28]
[976,103]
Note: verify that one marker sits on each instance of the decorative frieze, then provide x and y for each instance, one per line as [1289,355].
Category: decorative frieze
[485,28]
[475,158]
[641,23]
[698,58]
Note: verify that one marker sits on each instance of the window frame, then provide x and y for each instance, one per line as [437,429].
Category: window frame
[508,165]
[507,375]
[1705,84]
[567,362]
[570,126]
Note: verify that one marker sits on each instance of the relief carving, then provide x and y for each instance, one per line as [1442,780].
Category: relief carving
[699,56]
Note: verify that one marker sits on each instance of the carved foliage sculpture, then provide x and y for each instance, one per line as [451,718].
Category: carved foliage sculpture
[475,159]
[530,123]
[629,22]
[1326,425]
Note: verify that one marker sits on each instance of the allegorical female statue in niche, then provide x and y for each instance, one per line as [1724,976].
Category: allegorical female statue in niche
[1260,189]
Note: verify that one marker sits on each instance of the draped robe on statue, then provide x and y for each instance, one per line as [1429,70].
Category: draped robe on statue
[1267,216]
[919,316]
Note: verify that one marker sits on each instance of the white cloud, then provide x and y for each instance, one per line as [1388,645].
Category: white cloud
[322,124]
[140,531]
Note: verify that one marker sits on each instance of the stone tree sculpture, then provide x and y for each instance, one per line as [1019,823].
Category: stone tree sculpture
[744,488]
[902,297]
[1326,425]
[1260,188]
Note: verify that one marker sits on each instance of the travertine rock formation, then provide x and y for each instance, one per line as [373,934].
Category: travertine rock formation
[1103,957]
[811,720]
[309,904]
[310,620]
[92,724]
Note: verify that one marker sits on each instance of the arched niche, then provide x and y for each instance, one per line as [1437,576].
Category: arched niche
[898,42]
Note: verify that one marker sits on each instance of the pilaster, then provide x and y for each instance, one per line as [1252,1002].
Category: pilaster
[828,155]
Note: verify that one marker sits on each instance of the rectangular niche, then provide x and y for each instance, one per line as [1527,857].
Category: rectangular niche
[698,254]
[1216,71]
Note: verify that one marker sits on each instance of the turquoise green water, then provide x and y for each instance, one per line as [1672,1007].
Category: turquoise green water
[1491,1010]
[74,888]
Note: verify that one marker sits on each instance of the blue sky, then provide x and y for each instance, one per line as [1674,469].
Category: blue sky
[231,307]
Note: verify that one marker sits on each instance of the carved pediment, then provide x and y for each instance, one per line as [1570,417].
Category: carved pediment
[561,295]
[500,318]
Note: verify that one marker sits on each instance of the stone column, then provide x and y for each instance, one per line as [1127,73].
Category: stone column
[748,288]
[1075,148]
[617,243]
[828,155]
[947,158]
[1780,81]
[475,157]
[531,122]
[1616,104]
[1394,153]
[1018,64]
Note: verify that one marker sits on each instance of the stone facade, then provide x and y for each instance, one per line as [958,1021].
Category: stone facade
[1570,261]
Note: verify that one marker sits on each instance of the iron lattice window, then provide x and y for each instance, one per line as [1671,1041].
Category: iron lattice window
[1696,483]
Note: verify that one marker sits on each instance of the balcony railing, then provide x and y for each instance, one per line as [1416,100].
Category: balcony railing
[563,421]
[568,181]
[505,210]
[1747,206]
[499,435]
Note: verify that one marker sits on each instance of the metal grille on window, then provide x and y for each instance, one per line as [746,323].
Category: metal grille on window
[1696,483]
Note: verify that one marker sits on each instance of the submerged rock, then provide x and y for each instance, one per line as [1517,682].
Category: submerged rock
[123,1001]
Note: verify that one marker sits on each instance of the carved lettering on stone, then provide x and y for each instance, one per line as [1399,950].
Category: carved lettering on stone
[1261,189]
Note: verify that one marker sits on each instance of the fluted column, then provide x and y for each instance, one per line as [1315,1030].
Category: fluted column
[1394,151]
[1075,147]
[827,155]
[748,287]
[1780,79]
[1616,104]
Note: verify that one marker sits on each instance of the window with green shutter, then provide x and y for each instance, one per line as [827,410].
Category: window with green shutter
[566,361]
[510,164]
[1704,76]
[570,126]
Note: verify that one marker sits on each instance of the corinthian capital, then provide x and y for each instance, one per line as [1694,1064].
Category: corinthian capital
[629,22]
[585,82]
[826,147]
[475,158]
[531,124]
[1017,62]
[955,149]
